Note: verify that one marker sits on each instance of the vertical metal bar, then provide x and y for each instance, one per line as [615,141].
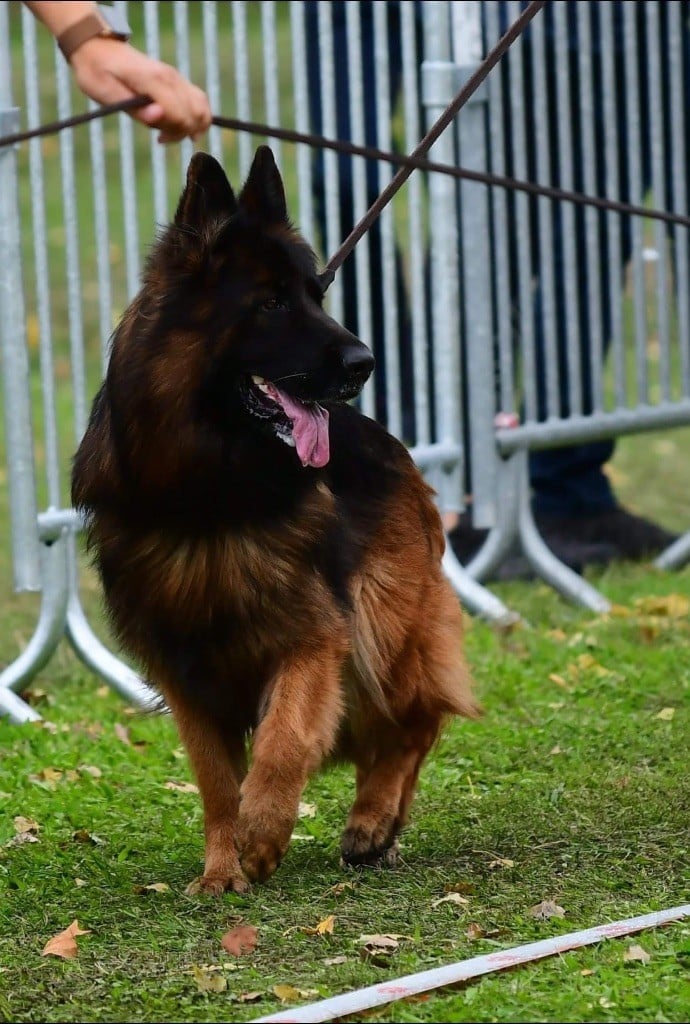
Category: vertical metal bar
[102,235]
[500,221]
[330,159]
[38,217]
[659,157]
[158,163]
[633,115]
[242,79]
[391,320]
[184,67]
[305,176]
[417,243]
[359,185]
[612,162]
[213,84]
[592,219]
[476,268]
[545,212]
[522,226]
[438,88]
[129,191]
[681,236]
[13,348]
[569,245]
[72,268]
[271,72]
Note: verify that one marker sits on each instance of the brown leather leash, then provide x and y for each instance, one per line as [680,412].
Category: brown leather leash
[407,164]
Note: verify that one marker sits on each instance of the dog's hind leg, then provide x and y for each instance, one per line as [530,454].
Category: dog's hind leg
[296,733]
[386,781]
[218,760]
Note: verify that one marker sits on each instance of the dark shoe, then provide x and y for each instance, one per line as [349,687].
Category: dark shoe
[466,541]
[631,537]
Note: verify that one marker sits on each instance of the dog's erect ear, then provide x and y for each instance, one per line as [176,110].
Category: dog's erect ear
[263,195]
[207,194]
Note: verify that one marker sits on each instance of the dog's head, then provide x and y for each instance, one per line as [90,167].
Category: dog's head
[236,271]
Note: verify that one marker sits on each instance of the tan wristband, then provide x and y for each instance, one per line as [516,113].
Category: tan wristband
[87,28]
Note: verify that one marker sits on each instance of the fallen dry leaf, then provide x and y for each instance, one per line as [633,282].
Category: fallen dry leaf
[306,810]
[92,770]
[546,909]
[82,835]
[501,862]
[666,714]
[122,733]
[64,944]
[152,887]
[250,997]
[636,954]
[241,940]
[380,943]
[672,606]
[324,927]
[286,993]
[207,981]
[474,932]
[181,787]
[331,961]
[340,887]
[451,897]
[23,825]
[586,971]
[22,837]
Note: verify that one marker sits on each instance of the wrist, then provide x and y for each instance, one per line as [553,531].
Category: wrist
[99,23]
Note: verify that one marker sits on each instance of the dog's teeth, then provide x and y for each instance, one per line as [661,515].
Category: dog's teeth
[262,385]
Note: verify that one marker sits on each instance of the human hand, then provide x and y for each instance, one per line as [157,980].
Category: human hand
[109,71]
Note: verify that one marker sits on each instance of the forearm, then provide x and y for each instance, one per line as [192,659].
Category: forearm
[58,15]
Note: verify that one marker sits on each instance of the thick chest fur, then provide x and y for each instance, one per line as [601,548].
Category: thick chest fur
[226,603]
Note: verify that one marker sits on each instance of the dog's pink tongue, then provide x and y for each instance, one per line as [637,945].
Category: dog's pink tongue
[309,429]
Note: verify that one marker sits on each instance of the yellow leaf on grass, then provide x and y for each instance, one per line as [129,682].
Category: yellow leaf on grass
[286,993]
[670,606]
[666,714]
[324,927]
[208,981]
[64,944]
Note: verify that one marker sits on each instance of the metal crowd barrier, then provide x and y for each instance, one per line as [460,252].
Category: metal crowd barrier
[77,212]
[589,311]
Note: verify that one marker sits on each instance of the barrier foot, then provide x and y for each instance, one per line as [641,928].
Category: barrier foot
[676,555]
[50,629]
[542,559]
[475,597]
[96,655]
[16,709]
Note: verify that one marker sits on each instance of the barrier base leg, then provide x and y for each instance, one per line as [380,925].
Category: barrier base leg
[676,555]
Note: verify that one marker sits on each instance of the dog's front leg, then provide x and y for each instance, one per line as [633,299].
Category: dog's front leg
[297,731]
[218,758]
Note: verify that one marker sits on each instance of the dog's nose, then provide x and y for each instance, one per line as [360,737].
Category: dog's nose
[357,359]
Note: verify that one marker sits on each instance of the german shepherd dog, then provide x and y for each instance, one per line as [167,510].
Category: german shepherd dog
[270,556]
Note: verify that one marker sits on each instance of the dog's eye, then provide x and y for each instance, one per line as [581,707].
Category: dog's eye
[273,304]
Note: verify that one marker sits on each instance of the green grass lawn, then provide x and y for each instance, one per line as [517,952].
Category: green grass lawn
[573,787]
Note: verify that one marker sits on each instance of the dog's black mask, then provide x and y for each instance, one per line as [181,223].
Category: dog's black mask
[274,355]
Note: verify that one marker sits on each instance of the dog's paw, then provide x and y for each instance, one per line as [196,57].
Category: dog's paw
[217,884]
[362,846]
[261,858]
